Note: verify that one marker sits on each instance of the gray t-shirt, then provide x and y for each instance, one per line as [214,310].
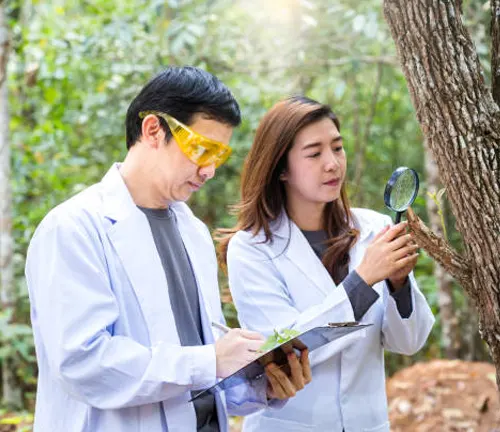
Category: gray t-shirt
[184,300]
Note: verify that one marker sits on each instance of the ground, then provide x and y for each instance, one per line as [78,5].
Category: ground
[441,396]
[444,396]
[438,396]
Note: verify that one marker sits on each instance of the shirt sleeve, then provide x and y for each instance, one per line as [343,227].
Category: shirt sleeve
[402,297]
[360,294]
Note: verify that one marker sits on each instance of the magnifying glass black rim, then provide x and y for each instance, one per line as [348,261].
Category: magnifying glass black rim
[392,181]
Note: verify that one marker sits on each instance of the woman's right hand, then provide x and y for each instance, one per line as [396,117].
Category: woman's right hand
[390,250]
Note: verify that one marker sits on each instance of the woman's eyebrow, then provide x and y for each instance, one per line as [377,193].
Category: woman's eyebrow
[311,145]
[318,144]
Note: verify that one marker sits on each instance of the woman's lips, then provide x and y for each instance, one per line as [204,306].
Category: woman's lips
[334,182]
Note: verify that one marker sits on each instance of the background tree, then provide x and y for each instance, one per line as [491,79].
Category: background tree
[461,124]
[11,392]
[450,334]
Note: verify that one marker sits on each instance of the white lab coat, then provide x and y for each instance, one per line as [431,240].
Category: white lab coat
[284,284]
[107,347]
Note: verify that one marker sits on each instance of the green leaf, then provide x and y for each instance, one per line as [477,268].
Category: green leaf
[278,338]
[440,194]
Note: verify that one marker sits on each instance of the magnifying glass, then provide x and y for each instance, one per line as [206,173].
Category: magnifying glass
[401,190]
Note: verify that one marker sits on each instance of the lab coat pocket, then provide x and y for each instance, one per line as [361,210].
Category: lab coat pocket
[384,427]
[278,424]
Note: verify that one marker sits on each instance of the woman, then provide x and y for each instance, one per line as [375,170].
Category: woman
[299,256]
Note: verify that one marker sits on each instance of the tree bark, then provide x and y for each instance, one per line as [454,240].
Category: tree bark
[450,334]
[495,49]
[461,124]
[11,395]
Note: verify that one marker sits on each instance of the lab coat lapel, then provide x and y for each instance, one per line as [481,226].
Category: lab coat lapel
[301,254]
[133,241]
[366,234]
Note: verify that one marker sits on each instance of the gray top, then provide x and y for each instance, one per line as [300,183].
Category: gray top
[184,300]
[361,295]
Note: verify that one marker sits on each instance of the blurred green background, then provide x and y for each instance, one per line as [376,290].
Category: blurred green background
[75,66]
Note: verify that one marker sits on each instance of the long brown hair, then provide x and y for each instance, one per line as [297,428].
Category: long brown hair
[263,196]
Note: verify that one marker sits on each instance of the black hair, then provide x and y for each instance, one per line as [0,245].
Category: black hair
[182,92]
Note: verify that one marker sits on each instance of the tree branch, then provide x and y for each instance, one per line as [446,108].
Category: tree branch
[249,69]
[439,249]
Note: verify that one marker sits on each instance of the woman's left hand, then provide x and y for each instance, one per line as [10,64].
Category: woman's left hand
[398,278]
[282,386]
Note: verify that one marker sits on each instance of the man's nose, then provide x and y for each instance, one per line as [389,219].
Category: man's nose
[207,172]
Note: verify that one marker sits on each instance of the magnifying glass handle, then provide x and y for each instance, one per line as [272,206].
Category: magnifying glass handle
[398,217]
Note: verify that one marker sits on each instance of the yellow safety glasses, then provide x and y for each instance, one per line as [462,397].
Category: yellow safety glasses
[201,150]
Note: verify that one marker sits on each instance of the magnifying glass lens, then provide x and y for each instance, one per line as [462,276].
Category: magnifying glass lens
[403,191]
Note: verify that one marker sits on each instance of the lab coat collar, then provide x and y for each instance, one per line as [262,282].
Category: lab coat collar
[131,236]
[303,256]
[281,226]
[117,201]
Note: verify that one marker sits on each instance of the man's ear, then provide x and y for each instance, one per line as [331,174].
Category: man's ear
[152,132]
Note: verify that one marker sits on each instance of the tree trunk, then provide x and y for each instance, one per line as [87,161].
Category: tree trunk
[495,49]
[11,395]
[449,320]
[461,124]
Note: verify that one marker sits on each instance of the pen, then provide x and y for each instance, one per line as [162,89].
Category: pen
[225,329]
[220,326]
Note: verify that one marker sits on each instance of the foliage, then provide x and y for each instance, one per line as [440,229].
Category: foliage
[277,338]
[436,197]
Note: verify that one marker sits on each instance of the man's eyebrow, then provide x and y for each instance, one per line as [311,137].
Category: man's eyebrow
[337,138]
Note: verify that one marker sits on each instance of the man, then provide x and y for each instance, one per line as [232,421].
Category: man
[123,282]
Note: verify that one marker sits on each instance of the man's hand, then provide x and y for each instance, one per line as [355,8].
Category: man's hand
[236,349]
[281,386]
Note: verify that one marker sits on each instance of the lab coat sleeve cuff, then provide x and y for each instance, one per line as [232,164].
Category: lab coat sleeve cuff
[203,366]
[260,387]
[250,397]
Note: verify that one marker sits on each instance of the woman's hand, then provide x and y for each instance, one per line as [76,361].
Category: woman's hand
[398,278]
[282,386]
[391,254]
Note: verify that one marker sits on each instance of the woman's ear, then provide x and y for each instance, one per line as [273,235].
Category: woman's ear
[283,176]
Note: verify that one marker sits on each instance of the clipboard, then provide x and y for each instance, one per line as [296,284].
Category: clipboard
[310,339]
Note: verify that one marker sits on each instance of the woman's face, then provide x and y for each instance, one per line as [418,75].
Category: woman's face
[316,165]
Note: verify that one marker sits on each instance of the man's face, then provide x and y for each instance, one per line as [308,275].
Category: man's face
[175,176]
